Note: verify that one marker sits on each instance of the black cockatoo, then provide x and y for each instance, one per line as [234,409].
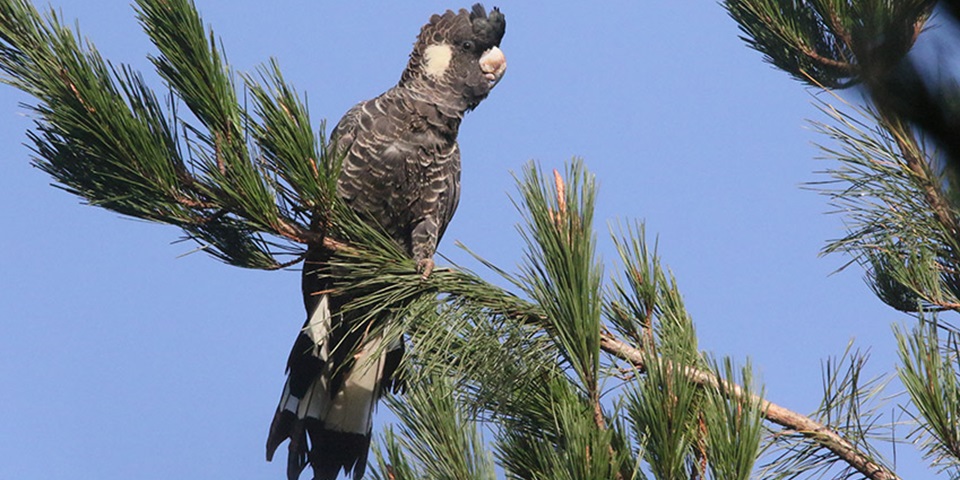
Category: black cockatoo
[401,170]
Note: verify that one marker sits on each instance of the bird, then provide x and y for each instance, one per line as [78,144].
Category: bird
[401,172]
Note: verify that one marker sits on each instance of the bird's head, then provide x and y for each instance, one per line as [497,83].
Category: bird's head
[458,55]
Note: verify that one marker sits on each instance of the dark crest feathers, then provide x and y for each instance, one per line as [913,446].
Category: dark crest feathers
[487,30]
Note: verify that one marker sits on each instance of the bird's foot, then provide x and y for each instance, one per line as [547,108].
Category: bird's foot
[425,267]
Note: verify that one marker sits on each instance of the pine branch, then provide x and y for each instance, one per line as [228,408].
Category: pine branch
[734,428]
[652,301]
[851,406]
[664,407]
[829,43]
[895,211]
[901,206]
[777,414]
[928,371]
[795,38]
[436,434]
[90,110]
[103,135]
[916,160]
[196,70]
[388,282]
[289,147]
[560,273]
[900,203]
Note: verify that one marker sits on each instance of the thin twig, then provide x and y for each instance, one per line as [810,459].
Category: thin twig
[281,266]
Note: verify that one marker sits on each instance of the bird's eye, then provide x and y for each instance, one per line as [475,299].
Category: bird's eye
[468,45]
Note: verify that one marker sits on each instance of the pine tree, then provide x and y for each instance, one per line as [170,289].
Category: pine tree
[570,373]
[895,188]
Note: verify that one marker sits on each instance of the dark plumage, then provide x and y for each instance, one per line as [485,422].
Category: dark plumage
[401,169]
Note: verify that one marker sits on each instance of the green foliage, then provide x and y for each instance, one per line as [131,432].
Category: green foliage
[894,232]
[514,373]
[830,43]
[898,205]
[560,273]
[664,410]
[899,202]
[556,436]
[436,434]
[928,370]
[650,301]
[103,135]
[90,110]
[511,357]
[853,405]
[392,460]
[289,146]
[734,428]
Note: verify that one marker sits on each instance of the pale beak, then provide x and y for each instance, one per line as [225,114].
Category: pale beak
[493,64]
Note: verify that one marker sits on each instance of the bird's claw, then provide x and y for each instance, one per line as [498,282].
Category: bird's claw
[425,267]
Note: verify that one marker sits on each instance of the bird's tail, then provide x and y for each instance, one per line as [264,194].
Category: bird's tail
[328,400]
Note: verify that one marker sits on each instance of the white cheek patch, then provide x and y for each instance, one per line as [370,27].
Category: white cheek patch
[436,59]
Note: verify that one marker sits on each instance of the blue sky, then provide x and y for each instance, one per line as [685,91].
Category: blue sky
[120,358]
